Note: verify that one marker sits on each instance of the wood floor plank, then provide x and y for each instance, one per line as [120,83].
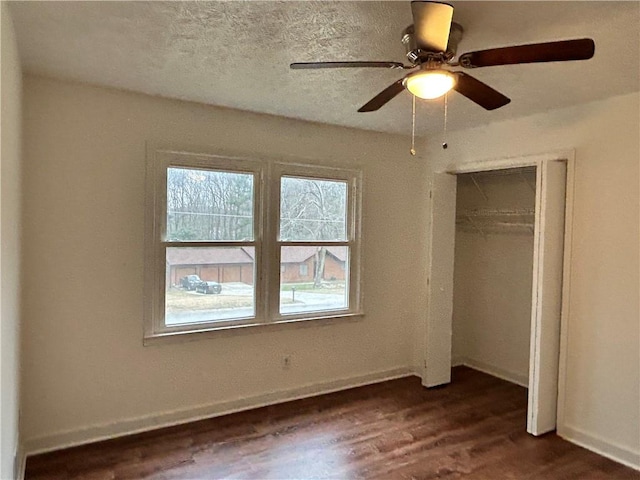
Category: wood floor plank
[473,428]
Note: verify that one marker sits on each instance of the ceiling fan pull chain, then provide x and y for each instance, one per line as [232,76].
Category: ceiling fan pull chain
[413,125]
[444,133]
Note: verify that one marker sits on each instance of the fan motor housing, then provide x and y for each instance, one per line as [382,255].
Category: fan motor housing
[416,56]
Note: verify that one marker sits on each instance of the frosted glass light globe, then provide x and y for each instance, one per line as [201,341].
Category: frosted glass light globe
[429,84]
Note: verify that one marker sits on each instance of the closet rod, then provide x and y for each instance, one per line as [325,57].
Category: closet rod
[475,225]
[486,212]
[470,222]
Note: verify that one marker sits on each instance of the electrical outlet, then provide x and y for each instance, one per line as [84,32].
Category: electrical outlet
[286,362]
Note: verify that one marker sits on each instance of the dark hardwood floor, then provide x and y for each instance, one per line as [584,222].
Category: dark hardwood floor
[471,429]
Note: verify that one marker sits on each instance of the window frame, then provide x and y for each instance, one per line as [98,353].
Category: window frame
[266,217]
[353,179]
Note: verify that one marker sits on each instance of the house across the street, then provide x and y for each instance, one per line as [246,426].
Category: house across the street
[223,265]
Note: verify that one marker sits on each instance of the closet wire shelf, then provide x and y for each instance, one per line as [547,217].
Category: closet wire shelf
[485,220]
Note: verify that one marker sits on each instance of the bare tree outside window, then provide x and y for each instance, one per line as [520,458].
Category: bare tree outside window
[312,210]
[209,205]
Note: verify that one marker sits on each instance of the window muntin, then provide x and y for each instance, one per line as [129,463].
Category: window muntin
[255,229]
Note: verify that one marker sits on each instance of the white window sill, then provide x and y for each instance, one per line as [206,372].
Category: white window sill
[227,330]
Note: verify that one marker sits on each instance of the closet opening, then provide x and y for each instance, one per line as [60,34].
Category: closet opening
[497,286]
[493,272]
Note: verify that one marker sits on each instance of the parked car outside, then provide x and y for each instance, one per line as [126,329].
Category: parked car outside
[209,287]
[190,282]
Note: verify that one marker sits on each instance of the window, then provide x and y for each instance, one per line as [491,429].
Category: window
[237,242]
[313,231]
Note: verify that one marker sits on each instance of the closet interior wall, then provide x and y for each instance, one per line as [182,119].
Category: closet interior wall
[493,272]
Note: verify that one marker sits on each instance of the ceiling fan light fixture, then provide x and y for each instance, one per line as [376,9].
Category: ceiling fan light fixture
[430,84]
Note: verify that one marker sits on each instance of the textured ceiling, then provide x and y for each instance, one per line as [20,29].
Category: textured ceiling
[236,54]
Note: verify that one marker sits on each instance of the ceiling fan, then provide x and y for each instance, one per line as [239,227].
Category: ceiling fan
[431,44]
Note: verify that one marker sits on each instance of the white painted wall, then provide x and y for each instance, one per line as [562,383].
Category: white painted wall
[600,392]
[492,280]
[86,373]
[10,204]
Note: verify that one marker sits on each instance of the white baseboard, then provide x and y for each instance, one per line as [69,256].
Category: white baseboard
[95,433]
[591,442]
[457,361]
[130,426]
[601,446]
[517,378]
[20,459]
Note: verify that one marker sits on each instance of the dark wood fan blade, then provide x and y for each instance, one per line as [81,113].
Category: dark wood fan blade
[479,92]
[383,97]
[315,65]
[432,23]
[580,49]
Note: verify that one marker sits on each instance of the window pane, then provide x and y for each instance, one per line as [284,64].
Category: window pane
[313,279]
[209,284]
[209,205]
[313,209]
